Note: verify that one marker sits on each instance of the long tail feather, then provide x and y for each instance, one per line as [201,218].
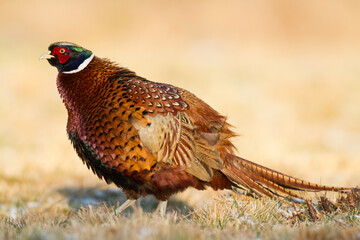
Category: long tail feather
[265,181]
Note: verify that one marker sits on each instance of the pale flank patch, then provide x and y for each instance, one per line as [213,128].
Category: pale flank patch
[82,65]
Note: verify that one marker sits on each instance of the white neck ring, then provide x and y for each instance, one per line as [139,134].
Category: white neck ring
[82,65]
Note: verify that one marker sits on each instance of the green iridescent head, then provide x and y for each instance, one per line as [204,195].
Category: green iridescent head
[68,57]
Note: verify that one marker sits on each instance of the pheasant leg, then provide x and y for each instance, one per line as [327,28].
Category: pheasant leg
[162,207]
[125,205]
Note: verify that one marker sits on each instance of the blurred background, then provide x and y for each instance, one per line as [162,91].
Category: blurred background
[286,73]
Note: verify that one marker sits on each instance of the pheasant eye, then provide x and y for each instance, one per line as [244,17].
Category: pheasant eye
[62,54]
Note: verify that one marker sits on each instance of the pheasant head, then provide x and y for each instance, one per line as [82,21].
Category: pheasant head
[68,57]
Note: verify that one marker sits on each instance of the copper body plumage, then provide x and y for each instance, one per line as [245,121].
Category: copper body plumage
[152,138]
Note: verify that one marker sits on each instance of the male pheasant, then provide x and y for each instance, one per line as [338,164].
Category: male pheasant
[152,138]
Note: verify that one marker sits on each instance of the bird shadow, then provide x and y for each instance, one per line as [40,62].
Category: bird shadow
[80,197]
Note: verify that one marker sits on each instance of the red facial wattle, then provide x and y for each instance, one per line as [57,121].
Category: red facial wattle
[62,53]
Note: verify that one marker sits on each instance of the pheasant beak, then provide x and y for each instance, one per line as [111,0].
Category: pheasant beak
[46,55]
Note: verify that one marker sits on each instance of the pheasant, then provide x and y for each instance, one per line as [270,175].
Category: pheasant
[152,138]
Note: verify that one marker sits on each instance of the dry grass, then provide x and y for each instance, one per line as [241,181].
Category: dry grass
[230,216]
[285,73]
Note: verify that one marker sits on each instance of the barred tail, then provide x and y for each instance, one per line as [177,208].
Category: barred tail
[264,181]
